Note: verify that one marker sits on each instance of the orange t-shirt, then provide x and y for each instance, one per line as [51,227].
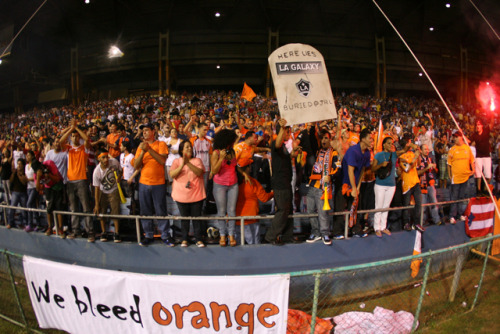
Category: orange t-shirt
[77,162]
[243,151]
[409,175]
[152,173]
[460,159]
[111,140]
[249,195]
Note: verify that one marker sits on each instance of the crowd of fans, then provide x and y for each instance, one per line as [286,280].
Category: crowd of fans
[197,149]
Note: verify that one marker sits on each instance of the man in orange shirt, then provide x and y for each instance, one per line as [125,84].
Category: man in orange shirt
[111,141]
[151,156]
[460,168]
[411,184]
[77,186]
[244,151]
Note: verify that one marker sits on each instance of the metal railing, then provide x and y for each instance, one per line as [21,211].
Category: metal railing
[242,219]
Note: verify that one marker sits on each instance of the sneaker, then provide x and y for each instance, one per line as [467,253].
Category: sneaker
[169,242]
[453,221]
[440,223]
[184,243]
[62,235]
[200,244]
[463,218]
[339,237]
[327,240]
[360,234]
[8,226]
[72,236]
[386,231]
[407,227]
[378,234]
[28,229]
[419,227]
[104,238]
[48,232]
[91,238]
[117,238]
[313,238]
[146,241]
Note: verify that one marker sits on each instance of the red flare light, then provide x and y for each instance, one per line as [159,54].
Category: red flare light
[487,96]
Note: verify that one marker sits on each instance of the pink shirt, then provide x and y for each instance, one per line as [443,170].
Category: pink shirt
[227,174]
[196,190]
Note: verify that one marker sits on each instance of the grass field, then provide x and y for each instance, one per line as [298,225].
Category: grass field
[438,315]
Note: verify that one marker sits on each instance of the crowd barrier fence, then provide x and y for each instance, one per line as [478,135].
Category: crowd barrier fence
[242,219]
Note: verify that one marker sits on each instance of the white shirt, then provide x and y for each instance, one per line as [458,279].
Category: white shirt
[126,165]
[105,179]
[60,159]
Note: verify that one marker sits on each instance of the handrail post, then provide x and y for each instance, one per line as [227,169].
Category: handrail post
[138,230]
[482,275]
[5,216]
[315,301]
[422,208]
[346,225]
[56,223]
[242,230]
[422,293]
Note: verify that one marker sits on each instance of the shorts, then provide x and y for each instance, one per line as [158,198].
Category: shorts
[110,201]
[54,199]
[484,165]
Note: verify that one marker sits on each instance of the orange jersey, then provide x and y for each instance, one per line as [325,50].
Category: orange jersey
[152,172]
[77,163]
[111,140]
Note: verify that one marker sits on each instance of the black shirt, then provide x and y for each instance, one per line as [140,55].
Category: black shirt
[483,148]
[281,163]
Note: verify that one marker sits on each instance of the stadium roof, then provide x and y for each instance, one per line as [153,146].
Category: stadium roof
[237,39]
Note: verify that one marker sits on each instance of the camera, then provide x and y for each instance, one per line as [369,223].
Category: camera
[45,170]
[228,152]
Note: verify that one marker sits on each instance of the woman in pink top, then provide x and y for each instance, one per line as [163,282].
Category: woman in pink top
[188,190]
[225,191]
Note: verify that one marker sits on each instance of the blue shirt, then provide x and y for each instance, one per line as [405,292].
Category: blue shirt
[389,181]
[355,158]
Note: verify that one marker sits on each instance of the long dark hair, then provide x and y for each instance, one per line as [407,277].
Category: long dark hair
[181,147]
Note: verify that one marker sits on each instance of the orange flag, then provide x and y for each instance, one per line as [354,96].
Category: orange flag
[247,93]
[417,249]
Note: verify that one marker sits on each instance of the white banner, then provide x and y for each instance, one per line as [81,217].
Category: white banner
[87,300]
[301,84]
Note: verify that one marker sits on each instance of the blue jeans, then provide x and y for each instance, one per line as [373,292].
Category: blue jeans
[457,192]
[430,197]
[152,202]
[315,203]
[417,196]
[79,190]
[16,199]
[252,233]
[225,199]
[31,203]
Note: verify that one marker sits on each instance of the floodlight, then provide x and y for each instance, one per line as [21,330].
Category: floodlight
[0,61]
[87,1]
[420,74]
[217,14]
[431,28]
[218,66]
[448,5]
[115,52]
